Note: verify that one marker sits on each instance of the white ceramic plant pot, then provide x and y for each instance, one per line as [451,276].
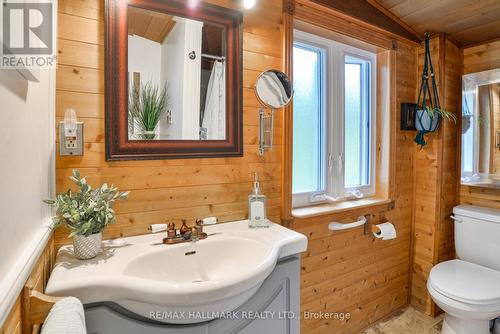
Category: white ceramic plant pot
[423,122]
[87,247]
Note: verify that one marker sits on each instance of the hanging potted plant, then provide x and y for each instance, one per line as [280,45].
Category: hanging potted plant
[86,212]
[466,122]
[429,112]
[466,113]
[146,107]
[428,119]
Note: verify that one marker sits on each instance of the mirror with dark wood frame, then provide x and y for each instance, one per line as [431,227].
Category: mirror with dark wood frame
[173,80]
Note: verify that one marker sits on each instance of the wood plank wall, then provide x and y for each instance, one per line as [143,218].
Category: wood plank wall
[372,276]
[450,160]
[436,176]
[479,58]
[15,323]
[349,271]
[480,196]
[426,186]
[168,190]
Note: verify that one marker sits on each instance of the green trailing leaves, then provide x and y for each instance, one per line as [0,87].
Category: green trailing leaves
[442,113]
[88,210]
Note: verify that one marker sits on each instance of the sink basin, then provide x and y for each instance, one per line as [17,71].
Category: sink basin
[184,283]
[210,261]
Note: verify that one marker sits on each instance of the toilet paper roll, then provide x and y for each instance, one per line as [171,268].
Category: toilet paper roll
[155,228]
[386,231]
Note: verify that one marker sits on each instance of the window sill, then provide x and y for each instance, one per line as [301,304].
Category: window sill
[328,208]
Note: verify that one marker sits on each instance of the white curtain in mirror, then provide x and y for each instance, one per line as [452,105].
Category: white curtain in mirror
[214,116]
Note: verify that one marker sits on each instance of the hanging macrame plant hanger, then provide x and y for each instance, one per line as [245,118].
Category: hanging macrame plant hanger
[427,119]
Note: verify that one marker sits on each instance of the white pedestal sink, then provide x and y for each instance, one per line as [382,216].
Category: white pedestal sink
[190,282]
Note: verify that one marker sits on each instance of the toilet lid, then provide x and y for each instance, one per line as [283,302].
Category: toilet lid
[466,282]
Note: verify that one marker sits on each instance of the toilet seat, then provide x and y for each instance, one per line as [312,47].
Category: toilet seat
[466,282]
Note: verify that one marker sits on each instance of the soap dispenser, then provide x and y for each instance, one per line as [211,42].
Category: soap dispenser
[257,207]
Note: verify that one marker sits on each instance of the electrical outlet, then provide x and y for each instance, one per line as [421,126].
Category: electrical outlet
[72,143]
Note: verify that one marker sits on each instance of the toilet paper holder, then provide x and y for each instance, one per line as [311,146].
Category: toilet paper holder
[382,219]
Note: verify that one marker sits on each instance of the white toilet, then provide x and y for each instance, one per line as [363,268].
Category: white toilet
[468,289]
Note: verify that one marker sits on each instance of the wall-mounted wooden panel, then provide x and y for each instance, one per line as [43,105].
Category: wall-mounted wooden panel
[164,191]
[450,161]
[485,197]
[349,272]
[482,57]
[436,176]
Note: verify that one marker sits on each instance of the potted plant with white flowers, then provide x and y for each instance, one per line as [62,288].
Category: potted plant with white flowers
[86,212]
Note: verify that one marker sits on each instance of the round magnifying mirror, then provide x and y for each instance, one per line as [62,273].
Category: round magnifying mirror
[274,89]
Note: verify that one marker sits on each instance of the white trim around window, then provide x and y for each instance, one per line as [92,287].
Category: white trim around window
[332,158]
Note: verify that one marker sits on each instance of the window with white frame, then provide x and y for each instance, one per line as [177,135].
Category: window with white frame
[333,121]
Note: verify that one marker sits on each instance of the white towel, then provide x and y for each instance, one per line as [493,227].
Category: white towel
[65,317]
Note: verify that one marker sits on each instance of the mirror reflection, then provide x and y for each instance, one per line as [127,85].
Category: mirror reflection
[274,89]
[177,77]
[481,127]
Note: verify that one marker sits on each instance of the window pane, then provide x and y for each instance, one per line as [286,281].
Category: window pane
[356,116]
[308,171]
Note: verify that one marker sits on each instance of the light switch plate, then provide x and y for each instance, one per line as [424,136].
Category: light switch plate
[74,146]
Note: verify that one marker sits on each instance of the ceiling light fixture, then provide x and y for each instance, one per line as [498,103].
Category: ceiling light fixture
[249,4]
[192,4]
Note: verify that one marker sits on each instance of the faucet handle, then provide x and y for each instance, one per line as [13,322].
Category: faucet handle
[207,221]
[171,233]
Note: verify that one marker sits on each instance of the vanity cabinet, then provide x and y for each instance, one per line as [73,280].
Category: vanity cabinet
[273,309]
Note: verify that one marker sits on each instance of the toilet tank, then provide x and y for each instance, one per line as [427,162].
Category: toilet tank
[477,235]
